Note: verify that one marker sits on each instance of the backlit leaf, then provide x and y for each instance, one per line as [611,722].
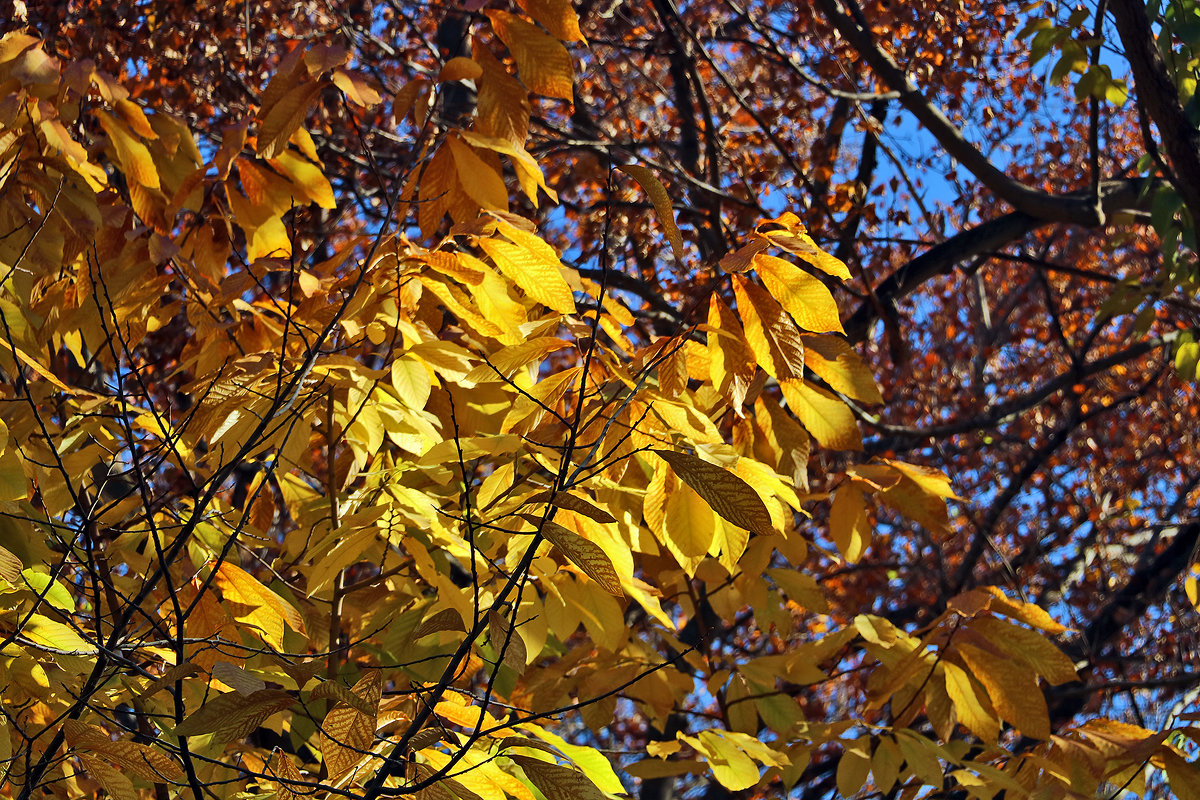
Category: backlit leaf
[558,783]
[542,62]
[662,205]
[804,297]
[1012,688]
[229,717]
[826,417]
[725,493]
[588,556]
[770,332]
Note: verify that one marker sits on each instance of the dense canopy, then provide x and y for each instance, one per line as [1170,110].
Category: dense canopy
[719,398]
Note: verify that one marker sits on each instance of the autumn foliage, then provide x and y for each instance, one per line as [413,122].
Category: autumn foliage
[388,410]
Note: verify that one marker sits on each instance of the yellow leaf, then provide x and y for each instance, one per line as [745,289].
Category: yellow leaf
[793,239]
[459,68]
[770,333]
[662,205]
[529,173]
[689,523]
[287,776]
[142,760]
[1012,688]
[10,565]
[507,361]
[556,16]
[725,493]
[839,366]
[921,755]
[356,88]
[229,717]
[585,554]
[503,105]
[114,782]
[324,57]
[853,767]
[971,711]
[536,275]
[558,783]
[306,176]
[1029,646]
[848,524]
[931,480]
[732,362]
[284,117]
[268,611]
[826,417]
[1183,777]
[730,764]
[507,641]
[575,503]
[885,764]
[801,587]
[56,637]
[804,297]
[133,156]
[911,500]
[481,183]
[542,62]
[1032,615]
[412,382]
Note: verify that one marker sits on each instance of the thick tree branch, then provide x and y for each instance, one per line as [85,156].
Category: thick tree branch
[1116,196]
[1080,209]
[1157,93]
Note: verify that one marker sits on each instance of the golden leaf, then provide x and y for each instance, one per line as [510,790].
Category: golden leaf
[575,503]
[557,16]
[445,620]
[507,641]
[771,334]
[1012,688]
[853,767]
[662,205]
[287,776]
[356,88]
[558,783]
[538,277]
[804,297]
[114,782]
[133,156]
[346,731]
[689,524]
[481,183]
[971,711]
[284,117]
[503,104]
[826,417]
[848,524]
[308,179]
[585,554]
[725,493]
[1029,646]
[268,611]
[839,366]
[542,62]
[229,717]
[459,68]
